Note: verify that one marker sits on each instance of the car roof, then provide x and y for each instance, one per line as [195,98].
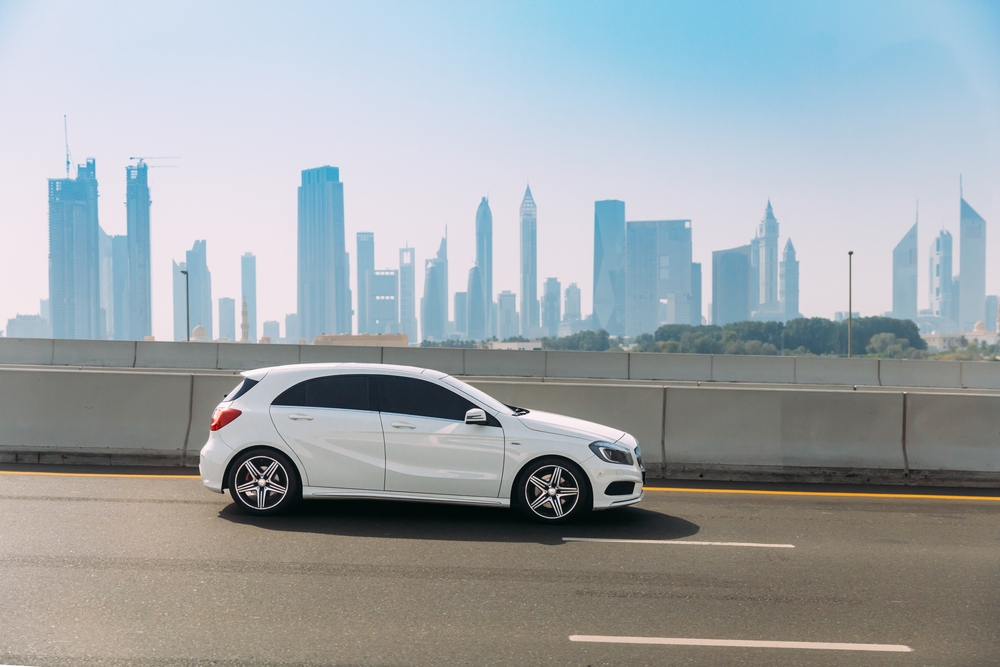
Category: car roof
[344,367]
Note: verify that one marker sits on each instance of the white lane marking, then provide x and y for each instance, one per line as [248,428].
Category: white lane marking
[691,542]
[740,643]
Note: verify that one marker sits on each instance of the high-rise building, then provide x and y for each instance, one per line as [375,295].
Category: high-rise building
[272,330]
[28,326]
[657,275]
[609,266]
[181,290]
[572,311]
[478,311]
[434,304]
[484,260]
[292,328]
[248,283]
[764,258]
[408,294]
[508,324]
[137,203]
[461,309]
[789,283]
[324,294]
[383,301]
[529,262]
[200,279]
[120,287]
[551,296]
[992,313]
[972,262]
[695,294]
[904,276]
[74,254]
[732,276]
[940,278]
[366,263]
[106,324]
[227,319]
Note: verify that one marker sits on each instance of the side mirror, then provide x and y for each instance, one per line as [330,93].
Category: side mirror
[475,416]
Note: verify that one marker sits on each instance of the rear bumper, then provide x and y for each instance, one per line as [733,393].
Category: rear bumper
[212,463]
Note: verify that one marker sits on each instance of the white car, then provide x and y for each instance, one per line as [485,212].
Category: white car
[379,431]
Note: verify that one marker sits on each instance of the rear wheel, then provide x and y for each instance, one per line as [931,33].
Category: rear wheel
[263,481]
[553,490]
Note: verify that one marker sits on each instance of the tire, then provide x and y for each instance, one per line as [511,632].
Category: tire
[263,481]
[569,499]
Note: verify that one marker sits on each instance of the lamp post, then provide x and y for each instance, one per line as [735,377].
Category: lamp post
[850,304]
[187,303]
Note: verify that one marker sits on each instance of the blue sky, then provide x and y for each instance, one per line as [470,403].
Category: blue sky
[843,113]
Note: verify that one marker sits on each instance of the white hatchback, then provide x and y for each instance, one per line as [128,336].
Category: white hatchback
[379,431]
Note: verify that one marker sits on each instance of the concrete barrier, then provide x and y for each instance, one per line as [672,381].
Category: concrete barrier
[325,354]
[830,370]
[26,351]
[740,368]
[243,356]
[953,432]
[206,392]
[682,367]
[981,374]
[94,353]
[605,365]
[528,363]
[446,360]
[919,373]
[167,354]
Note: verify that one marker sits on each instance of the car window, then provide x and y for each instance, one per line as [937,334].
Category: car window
[346,392]
[420,398]
[241,388]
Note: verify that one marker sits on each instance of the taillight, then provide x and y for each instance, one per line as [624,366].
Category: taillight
[223,416]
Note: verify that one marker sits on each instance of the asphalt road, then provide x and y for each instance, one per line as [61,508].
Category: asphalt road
[98,570]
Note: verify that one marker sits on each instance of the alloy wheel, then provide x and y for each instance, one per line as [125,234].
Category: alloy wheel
[261,482]
[551,492]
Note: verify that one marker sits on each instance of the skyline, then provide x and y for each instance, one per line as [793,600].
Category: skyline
[843,116]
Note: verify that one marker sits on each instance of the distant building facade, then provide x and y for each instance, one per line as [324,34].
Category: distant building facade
[28,326]
[227,319]
[657,275]
[460,308]
[788,293]
[408,294]
[434,304]
[137,204]
[764,260]
[382,290]
[904,276]
[272,331]
[484,260]
[201,287]
[248,283]
[731,285]
[365,263]
[609,266]
[972,261]
[121,294]
[477,313]
[942,303]
[508,322]
[572,311]
[529,262]
[551,307]
[324,295]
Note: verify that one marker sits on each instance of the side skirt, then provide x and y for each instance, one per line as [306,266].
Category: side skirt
[324,492]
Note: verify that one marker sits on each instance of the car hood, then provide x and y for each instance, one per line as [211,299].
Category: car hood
[548,422]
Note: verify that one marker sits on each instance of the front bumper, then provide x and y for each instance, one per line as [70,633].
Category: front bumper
[608,476]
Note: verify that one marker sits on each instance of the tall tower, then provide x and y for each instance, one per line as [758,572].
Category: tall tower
[324,294]
[74,254]
[766,253]
[137,203]
[939,279]
[408,294]
[972,262]
[609,266]
[529,262]
[904,276]
[476,311]
[366,263]
[551,294]
[434,305]
[789,279]
[244,323]
[484,260]
[201,286]
[248,279]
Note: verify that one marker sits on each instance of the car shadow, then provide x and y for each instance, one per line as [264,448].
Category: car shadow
[427,521]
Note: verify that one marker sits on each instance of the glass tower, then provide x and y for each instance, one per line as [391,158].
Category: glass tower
[484,260]
[972,263]
[408,294]
[137,203]
[366,263]
[609,266]
[904,276]
[248,283]
[529,262]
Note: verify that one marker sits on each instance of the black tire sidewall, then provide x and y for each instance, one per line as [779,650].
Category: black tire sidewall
[294,485]
[584,504]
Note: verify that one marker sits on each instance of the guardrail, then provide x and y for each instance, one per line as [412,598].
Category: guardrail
[507,363]
[710,432]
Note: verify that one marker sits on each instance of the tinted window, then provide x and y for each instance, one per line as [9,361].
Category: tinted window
[241,388]
[347,392]
[420,398]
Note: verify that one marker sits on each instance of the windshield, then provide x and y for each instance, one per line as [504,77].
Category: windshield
[480,397]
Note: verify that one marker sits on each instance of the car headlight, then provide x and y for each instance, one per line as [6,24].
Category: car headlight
[638,455]
[611,453]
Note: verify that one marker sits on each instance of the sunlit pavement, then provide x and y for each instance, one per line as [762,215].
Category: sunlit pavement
[155,570]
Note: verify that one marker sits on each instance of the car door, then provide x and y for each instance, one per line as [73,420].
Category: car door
[333,424]
[428,446]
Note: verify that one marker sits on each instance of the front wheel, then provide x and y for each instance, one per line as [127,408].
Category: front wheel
[263,481]
[553,490]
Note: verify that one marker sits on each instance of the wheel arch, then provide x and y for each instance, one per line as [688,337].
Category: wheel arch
[515,499]
[296,466]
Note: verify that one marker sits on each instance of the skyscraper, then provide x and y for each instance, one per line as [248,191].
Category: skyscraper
[991,315]
[272,330]
[529,262]
[572,311]
[180,301]
[695,294]
[904,276]
[484,260]
[137,203]
[508,324]
[731,285]
[789,283]
[119,280]
[366,263]
[227,319]
[478,312]
[609,266]
[764,256]
[201,287]
[434,305]
[324,294]
[657,275]
[74,254]
[408,294]
[972,260]
[292,328]
[106,324]
[248,284]
[551,296]
[940,278]
[383,301]
[461,309]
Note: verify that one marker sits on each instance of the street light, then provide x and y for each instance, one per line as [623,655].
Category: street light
[187,303]
[850,304]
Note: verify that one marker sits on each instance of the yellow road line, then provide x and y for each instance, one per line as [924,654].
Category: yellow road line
[96,474]
[827,494]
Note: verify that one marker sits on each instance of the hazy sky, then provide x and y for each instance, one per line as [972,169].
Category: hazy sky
[843,113]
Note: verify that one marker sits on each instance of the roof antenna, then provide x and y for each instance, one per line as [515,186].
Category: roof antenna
[66,138]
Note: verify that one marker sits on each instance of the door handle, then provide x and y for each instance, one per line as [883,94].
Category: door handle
[401,425]
[298,416]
